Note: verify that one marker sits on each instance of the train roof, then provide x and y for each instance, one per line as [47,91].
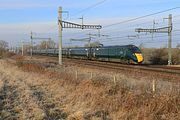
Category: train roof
[126,46]
[115,46]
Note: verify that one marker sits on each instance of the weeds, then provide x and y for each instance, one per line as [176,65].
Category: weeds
[100,80]
[62,96]
[30,67]
[7,99]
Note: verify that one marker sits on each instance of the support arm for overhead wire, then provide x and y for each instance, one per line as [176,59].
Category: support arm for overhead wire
[83,39]
[163,30]
[158,30]
[65,24]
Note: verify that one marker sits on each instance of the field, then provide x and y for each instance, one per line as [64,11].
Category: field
[40,89]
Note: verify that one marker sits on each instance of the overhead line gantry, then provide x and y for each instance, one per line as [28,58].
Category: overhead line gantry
[64,24]
[163,30]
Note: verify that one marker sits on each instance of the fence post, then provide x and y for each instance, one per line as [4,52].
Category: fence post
[171,87]
[76,74]
[154,86]
[115,80]
[91,75]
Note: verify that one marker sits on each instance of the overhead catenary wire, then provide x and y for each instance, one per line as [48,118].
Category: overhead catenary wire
[130,20]
[134,19]
[104,31]
[138,24]
[126,37]
[122,36]
[90,7]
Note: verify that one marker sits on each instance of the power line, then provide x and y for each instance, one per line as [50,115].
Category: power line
[130,20]
[140,17]
[127,35]
[128,28]
[135,42]
[90,7]
[121,37]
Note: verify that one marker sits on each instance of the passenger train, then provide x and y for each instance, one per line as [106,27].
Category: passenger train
[127,53]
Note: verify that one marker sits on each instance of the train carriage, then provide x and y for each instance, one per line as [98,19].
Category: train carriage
[79,52]
[108,53]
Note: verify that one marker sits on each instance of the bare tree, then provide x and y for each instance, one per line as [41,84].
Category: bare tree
[3,45]
[47,44]
[94,44]
[141,46]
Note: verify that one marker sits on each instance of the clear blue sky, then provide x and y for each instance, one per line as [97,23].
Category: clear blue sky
[19,17]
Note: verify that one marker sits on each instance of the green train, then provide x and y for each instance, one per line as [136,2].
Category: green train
[127,53]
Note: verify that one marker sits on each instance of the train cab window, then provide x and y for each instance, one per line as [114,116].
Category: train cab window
[135,49]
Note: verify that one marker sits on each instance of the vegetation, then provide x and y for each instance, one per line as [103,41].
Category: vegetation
[94,44]
[46,44]
[4,50]
[36,91]
[3,47]
[160,56]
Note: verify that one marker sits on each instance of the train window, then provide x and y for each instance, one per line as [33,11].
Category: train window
[121,52]
[135,49]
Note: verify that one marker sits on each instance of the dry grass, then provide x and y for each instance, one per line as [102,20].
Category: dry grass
[5,54]
[55,93]
[30,67]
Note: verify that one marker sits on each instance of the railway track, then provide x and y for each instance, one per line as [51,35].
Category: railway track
[164,71]
[161,71]
[175,70]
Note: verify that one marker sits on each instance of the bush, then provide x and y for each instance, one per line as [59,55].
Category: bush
[6,54]
[30,67]
[159,56]
[176,56]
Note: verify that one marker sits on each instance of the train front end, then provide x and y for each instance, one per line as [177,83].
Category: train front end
[139,57]
[137,54]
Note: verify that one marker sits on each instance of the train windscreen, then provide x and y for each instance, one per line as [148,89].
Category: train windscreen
[135,49]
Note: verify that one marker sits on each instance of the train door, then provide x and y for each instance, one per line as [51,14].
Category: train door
[122,54]
[93,53]
[87,53]
[90,53]
[69,52]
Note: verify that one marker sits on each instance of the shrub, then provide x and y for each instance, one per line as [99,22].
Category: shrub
[5,54]
[159,56]
[30,67]
[176,56]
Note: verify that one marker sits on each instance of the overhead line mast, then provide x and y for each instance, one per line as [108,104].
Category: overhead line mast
[64,24]
[163,30]
[32,38]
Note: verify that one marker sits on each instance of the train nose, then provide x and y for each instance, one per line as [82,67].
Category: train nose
[139,57]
